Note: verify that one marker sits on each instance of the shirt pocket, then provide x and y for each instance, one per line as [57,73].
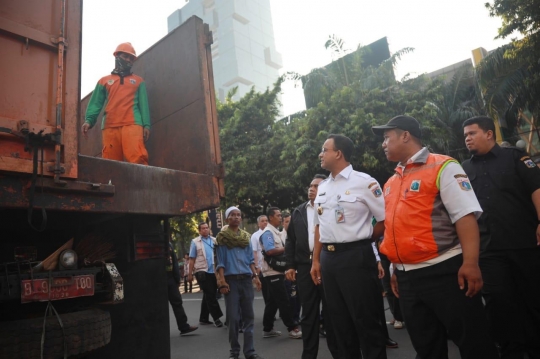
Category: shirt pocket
[321,201]
[349,198]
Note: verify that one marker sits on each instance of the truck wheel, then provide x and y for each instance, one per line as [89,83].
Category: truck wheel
[85,331]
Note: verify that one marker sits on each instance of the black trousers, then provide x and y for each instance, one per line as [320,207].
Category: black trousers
[393,301]
[175,298]
[436,310]
[209,303]
[264,288]
[186,283]
[512,294]
[353,297]
[277,299]
[311,296]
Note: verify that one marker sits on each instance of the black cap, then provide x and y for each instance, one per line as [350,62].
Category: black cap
[405,123]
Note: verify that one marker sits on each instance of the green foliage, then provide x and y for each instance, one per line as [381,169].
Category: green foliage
[269,162]
[251,148]
[184,229]
[510,75]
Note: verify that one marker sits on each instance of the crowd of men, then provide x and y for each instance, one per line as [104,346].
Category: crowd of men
[460,245]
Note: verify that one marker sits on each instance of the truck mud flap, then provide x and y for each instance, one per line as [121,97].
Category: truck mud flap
[85,331]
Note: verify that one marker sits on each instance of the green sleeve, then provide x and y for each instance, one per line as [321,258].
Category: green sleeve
[99,96]
[143,105]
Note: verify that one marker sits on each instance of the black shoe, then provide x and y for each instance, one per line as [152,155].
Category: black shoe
[205,322]
[234,357]
[391,344]
[255,356]
[188,330]
[218,323]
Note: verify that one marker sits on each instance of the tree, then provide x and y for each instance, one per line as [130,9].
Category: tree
[184,229]
[449,104]
[510,75]
[251,142]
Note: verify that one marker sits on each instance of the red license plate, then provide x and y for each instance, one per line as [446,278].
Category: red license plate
[38,290]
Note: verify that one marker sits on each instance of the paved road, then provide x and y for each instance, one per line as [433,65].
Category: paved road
[209,342]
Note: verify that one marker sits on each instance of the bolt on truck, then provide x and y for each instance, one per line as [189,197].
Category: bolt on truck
[83,239]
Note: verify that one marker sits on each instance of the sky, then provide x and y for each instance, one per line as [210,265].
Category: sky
[442,32]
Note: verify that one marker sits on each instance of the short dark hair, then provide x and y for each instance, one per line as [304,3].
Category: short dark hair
[484,122]
[320,176]
[200,224]
[271,211]
[286,215]
[343,144]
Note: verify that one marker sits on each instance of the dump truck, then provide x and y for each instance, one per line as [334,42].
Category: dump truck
[83,239]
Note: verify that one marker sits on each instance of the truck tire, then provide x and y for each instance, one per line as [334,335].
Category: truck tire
[85,331]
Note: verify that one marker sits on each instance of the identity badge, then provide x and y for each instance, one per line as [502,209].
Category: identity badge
[464,184]
[415,186]
[529,163]
[340,215]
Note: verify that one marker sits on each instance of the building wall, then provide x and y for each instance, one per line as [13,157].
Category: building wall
[243,52]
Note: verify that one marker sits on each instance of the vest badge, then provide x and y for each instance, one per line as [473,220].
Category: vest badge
[387,191]
[415,186]
[133,81]
[464,184]
[110,82]
[376,191]
[529,163]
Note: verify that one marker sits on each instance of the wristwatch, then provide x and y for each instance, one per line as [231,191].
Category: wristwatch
[253,275]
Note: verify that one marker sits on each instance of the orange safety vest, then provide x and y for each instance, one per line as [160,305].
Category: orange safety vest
[417,225]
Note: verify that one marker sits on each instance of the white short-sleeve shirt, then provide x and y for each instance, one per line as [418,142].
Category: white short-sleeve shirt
[256,245]
[345,206]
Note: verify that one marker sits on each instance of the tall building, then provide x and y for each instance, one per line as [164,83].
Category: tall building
[243,51]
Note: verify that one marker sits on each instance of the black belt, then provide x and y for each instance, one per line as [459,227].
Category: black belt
[340,247]
[238,276]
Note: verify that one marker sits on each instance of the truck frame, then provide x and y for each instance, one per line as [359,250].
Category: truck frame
[54,188]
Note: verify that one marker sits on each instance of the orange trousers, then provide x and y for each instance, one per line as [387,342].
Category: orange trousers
[124,142]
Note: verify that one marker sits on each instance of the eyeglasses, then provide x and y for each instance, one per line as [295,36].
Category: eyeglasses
[324,150]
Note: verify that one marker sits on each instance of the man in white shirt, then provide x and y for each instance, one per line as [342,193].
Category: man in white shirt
[262,222]
[346,203]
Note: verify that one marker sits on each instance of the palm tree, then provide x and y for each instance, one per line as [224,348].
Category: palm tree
[451,103]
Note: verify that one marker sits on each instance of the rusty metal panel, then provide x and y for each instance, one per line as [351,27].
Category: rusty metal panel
[29,32]
[178,75]
[138,189]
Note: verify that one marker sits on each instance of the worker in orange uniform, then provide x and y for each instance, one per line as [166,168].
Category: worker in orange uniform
[126,120]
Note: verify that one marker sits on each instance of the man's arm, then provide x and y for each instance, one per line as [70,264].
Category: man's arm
[190,269]
[316,264]
[378,231]
[145,110]
[536,201]
[95,105]
[268,244]
[290,251]
[469,237]
[290,244]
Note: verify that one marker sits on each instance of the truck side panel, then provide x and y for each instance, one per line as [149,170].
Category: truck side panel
[29,32]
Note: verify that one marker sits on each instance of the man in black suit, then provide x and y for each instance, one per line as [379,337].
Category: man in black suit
[298,250]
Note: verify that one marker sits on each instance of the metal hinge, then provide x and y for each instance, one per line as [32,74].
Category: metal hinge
[209,38]
[58,40]
[219,170]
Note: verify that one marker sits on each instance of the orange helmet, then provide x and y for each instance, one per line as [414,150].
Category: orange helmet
[125,47]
